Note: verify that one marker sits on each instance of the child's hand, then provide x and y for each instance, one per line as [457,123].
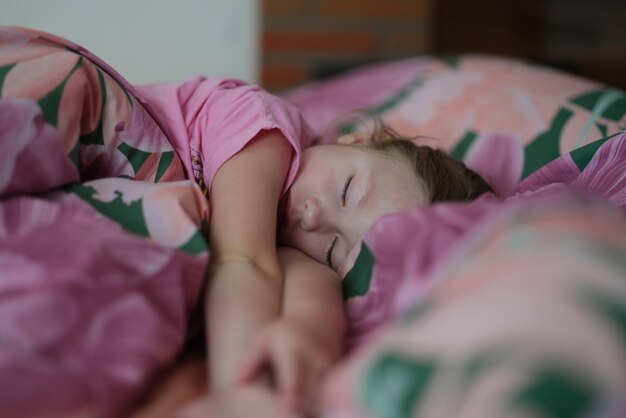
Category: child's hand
[296,361]
[250,401]
[237,287]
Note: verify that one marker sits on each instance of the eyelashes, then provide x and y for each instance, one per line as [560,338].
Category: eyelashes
[345,190]
[329,252]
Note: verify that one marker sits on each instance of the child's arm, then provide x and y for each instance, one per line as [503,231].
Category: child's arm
[308,339]
[299,348]
[244,289]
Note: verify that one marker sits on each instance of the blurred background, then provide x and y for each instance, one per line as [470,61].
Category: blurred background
[284,43]
[304,39]
[153,40]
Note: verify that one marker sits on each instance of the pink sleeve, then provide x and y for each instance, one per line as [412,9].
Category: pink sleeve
[211,119]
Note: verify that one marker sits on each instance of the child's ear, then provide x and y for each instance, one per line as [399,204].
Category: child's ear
[354,138]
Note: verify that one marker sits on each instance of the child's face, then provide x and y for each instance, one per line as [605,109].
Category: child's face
[338,193]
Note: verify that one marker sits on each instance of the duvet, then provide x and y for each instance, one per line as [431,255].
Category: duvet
[96,290]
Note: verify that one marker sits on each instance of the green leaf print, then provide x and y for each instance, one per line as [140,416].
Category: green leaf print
[50,102]
[357,281]
[164,163]
[197,244]
[394,385]
[128,216]
[602,128]
[417,312]
[399,97]
[554,393]
[383,107]
[545,147]
[584,154]
[611,309]
[3,73]
[483,361]
[135,156]
[609,103]
[97,136]
[451,60]
[462,145]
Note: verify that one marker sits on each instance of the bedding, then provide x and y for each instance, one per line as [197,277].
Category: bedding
[524,319]
[472,309]
[512,305]
[96,291]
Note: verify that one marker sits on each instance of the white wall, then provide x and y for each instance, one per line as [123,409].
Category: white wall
[153,40]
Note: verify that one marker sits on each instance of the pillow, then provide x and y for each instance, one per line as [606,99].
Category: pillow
[458,100]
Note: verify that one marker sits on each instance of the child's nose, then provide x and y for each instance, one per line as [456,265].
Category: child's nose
[311,215]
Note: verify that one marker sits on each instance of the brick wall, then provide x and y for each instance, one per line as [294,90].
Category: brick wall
[308,39]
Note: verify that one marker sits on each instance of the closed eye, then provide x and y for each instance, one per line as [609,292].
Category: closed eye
[345,190]
[329,253]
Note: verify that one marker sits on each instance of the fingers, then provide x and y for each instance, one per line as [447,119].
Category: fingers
[277,352]
[287,370]
[311,392]
[254,362]
[295,370]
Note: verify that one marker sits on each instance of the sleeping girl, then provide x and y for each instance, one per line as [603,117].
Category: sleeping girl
[269,343]
[337,194]
[262,306]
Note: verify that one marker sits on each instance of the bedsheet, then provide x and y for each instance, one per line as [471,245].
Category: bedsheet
[102,244]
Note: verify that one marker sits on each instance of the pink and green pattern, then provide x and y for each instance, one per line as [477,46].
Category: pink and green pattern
[102,239]
[528,319]
[455,101]
[104,129]
[510,306]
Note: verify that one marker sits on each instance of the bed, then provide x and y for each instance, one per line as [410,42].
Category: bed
[513,305]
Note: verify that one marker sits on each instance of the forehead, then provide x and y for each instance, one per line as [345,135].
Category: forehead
[389,169]
[340,152]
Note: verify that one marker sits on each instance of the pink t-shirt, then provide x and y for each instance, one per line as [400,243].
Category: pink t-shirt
[208,120]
